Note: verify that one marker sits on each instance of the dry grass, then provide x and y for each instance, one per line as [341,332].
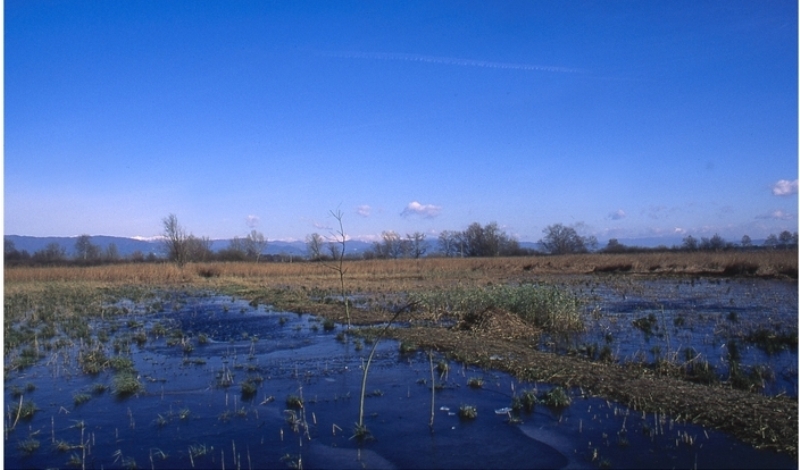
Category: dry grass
[409,273]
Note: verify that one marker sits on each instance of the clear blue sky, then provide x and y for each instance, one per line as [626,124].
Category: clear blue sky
[624,118]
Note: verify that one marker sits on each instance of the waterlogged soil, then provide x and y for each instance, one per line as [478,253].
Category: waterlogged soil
[221,378]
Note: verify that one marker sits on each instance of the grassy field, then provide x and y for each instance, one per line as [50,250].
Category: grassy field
[40,300]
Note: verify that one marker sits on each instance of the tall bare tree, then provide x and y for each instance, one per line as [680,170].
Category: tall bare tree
[255,244]
[314,243]
[416,244]
[175,240]
[85,250]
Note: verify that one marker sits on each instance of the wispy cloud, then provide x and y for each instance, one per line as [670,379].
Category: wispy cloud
[428,211]
[784,188]
[364,210]
[451,61]
[776,214]
[617,214]
[252,220]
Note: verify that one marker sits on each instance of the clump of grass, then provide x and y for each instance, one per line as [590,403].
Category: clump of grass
[407,347]
[28,446]
[772,342]
[475,382]
[126,383]
[467,412]
[647,324]
[121,363]
[23,410]
[249,389]
[328,325]
[443,367]
[548,308]
[525,401]
[361,432]
[80,398]
[294,402]
[556,398]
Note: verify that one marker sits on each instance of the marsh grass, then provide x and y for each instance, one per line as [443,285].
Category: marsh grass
[467,412]
[126,383]
[557,398]
[545,307]
[29,446]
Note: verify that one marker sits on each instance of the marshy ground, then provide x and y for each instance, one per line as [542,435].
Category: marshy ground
[747,391]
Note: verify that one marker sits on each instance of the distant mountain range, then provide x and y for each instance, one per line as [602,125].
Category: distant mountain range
[127,246]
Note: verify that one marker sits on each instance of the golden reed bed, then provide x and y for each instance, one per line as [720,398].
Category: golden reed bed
[385,275]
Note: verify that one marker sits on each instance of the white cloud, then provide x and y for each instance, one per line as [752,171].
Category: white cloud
[451,61]
[364,210]
[252,220]
[424,210]
[617,214]
[784,188]
[777,215]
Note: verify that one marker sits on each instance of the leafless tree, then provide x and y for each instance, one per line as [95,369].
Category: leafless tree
[85,250]
[175,240]
[314,243]
[416,244]
[560,239]
[198,248]
[448,243]
[337,248]
[255,244]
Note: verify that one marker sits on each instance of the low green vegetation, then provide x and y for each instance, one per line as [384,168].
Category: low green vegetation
[545,307]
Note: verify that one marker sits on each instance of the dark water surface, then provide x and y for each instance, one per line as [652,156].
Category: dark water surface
[193,413]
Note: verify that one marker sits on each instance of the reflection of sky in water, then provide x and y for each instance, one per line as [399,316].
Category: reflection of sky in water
[293,355]
[702,314]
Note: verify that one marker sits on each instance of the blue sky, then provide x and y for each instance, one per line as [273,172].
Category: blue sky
[626,119]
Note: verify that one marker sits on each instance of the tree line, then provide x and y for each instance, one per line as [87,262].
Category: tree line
[476,240]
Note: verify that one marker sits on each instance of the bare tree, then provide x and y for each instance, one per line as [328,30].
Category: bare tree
[785,238]
[175,240]
[112,253]
[53,252]
[85,250]
[234,252]
[416,244]
[198,248]
[255,244]
[560,239]
[448,243]
[337,250]
[314,243]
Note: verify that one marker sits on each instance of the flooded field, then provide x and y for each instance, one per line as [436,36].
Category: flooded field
[208,381]
[744,326]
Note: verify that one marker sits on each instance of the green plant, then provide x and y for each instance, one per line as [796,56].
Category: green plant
[80,398]
[407,347]
[525,401]
[475,382]
[126,383]
[557,397]
[29,446]
[467,412]
[294,402]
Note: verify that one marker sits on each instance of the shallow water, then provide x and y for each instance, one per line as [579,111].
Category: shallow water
[704,314]
[193,413]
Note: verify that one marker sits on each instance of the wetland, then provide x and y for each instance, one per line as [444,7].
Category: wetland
[479,364]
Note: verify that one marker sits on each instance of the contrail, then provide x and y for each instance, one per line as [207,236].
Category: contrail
[451,61]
